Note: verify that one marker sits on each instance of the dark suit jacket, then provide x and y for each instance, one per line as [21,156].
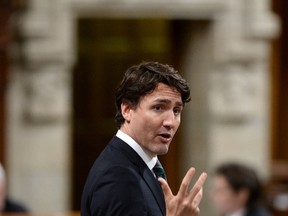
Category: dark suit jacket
[120,183]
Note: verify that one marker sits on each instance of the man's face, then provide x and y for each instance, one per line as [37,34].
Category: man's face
[155,120]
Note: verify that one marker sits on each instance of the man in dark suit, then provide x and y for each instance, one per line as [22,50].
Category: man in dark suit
[123,179]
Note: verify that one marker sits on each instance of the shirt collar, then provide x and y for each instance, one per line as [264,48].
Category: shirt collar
[240,212]
[148,159]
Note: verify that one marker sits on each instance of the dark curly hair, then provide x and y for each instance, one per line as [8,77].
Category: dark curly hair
[140,80]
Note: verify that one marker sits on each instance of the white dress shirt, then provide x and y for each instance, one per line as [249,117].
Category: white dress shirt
[148,159]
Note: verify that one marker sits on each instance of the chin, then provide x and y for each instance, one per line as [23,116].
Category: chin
[162,152]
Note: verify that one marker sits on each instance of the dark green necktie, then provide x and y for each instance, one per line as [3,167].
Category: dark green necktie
[159,171]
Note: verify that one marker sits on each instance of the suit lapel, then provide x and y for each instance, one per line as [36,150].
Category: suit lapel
[146,173]
[155,188]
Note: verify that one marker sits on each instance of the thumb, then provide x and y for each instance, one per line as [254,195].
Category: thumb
[165,187]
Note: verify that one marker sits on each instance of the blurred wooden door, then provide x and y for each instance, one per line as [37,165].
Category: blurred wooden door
[106,48]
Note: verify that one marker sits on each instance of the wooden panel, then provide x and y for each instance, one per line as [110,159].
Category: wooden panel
[280,87]
[5,13]
[278,183]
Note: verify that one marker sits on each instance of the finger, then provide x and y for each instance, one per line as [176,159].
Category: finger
[198,186]
[186,182]
[165,187]
[198,198]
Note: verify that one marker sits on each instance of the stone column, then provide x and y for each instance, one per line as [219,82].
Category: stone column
[39,107]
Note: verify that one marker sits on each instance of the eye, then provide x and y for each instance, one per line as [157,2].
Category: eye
[177,110]
[157,108]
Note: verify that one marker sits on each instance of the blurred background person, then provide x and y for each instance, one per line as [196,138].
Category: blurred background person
[236,191]
[7,205]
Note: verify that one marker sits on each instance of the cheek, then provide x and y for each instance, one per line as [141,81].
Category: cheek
[221,200]
[145,127]
[150,122]
[227,203]
[178,123]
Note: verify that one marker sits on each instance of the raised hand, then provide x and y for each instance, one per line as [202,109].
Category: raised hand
[186,202]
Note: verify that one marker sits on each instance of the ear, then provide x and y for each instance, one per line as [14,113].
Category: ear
[126,111]
[243,195]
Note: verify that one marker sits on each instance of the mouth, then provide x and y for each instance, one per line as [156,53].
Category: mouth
[165,137]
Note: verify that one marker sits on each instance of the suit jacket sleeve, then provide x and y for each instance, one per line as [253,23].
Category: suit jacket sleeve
[117,192]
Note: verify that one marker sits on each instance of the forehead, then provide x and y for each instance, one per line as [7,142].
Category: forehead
[163,90]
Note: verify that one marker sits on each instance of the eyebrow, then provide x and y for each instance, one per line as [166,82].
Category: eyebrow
[166,101]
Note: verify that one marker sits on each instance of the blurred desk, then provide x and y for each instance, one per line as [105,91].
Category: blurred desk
[42,214]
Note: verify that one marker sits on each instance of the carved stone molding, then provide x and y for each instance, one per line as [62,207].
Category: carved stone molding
[241,30]
[233,93]
[46,95]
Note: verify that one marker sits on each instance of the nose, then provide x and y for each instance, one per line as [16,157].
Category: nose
[170,120]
